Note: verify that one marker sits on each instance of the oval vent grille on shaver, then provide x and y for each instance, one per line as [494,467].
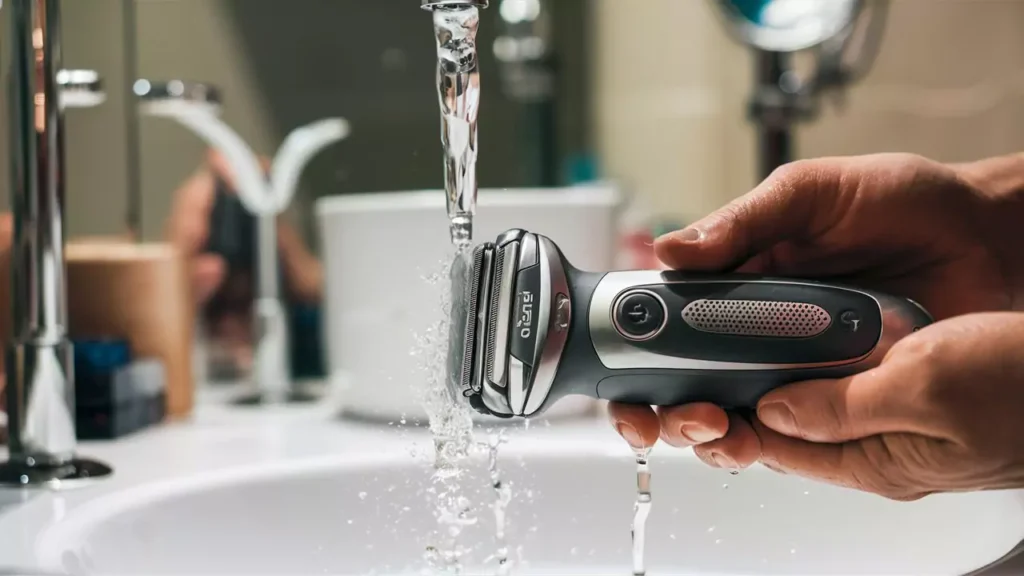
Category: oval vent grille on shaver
[527,328]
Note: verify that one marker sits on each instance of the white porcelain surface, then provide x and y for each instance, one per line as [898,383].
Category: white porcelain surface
[379,248]
[278,492]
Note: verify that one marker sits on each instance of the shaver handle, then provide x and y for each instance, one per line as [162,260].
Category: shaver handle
[666,338]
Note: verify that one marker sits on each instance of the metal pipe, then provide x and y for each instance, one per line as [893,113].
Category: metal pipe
[776,111]
[40,379]
[40,355]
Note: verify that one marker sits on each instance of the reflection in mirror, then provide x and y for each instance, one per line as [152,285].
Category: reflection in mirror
[775,29]
[789,25]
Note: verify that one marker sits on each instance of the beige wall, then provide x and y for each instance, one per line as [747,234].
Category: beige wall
[671,91]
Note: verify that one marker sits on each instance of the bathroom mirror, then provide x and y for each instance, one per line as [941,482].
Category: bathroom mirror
[789,25]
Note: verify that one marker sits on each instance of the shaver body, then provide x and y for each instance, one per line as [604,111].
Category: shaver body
[544,330]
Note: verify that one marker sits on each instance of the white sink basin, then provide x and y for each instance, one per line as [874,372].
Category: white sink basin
[570,513]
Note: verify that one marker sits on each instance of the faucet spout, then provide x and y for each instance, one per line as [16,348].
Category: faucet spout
[40,379]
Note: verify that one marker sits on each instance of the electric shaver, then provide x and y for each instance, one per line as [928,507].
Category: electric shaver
[528,329]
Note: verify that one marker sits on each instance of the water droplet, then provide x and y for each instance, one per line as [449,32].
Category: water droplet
[711,529]
[734,472]
[792,550]
[672,536]
[807,492]
[725,486]
[350,521]
[572,551]
[761,506]
[362,495]
[718,541]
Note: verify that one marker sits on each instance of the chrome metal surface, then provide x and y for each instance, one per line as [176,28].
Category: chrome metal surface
[657,330]
[550,338]
[757,318]
[40,378]
[41,417]
[516,385]
[617,353]
[80,88]
[75,473]
[498,347]
[177,90]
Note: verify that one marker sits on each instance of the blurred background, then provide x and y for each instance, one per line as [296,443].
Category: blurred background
[649,98]
[651,94]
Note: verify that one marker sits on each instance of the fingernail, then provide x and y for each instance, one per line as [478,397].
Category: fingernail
[778,417]
[696,433]
[723,461]
[687,235]
[627,431]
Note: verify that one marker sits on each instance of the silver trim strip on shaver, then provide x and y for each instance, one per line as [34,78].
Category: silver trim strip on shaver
[551,338]
[617,353]
[492,398]
[499,353]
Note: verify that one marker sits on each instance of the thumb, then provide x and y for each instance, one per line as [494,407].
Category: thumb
[798,200]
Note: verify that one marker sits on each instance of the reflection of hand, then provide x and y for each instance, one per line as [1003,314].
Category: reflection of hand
[896,223]
[188,229]
[6,241]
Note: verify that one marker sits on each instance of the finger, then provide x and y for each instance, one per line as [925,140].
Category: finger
[188,225]
[689,424]
[864,465]
[874,402]
[636,423]
[208,272]
[797,201]
[6,231]
[737,450]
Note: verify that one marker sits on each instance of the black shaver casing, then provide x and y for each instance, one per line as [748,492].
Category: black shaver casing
[726,339]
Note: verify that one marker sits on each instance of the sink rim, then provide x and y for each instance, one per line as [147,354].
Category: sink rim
[67,533]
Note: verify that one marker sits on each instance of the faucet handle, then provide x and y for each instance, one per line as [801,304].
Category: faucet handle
[165,92]
[80,88]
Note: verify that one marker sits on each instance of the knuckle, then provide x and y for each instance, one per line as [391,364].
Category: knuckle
[873,469]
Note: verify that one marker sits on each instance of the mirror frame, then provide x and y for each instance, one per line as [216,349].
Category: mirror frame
[782,40]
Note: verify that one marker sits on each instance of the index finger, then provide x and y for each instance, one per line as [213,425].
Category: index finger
[188,226]
[798,200]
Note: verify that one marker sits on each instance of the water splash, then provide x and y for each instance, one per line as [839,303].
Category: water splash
[451,426]
[641,510]
[503,495]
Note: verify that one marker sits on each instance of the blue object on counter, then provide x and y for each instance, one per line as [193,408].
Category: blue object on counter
[581,169]
[115,394]
[306,343]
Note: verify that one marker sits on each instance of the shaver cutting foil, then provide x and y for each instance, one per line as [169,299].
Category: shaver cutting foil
[527,329]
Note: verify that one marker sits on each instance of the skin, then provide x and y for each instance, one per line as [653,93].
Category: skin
[188,229]
[941,413]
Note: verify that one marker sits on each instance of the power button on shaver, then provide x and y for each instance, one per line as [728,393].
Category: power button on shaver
[639,315]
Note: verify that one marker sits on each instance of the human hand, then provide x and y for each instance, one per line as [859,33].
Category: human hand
[940,414]
[892,222]
[188,229]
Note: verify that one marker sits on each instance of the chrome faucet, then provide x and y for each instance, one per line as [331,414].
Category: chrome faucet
[40,387]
